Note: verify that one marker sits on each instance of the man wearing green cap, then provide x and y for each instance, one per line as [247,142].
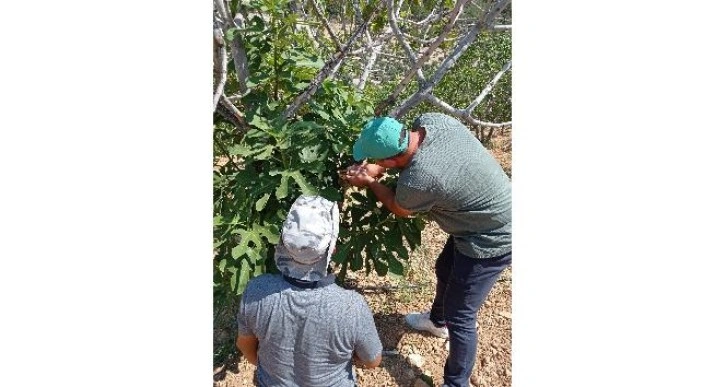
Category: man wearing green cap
[446,172]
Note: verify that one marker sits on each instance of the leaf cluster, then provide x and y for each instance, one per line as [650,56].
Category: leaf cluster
[260,173]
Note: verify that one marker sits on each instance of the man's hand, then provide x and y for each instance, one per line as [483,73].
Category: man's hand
[358,176]
[373,170]
[366,364]
[384,194]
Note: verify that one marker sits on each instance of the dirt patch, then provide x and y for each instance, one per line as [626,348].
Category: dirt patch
[407,353]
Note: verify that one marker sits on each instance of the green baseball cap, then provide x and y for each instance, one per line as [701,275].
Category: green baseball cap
[380,138]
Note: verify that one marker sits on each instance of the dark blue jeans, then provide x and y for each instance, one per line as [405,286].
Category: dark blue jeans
[463,284]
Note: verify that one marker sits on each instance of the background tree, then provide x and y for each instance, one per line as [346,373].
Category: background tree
[293,83]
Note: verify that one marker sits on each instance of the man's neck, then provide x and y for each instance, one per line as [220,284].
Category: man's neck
[300,283]
[415,139]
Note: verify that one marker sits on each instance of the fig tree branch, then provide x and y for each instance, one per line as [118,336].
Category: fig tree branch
[502,27]
[421,60]
[463,114]
[486,20]
[220,66]
[230,112]
[432,17]
[305,26]
[392,21]
[373,51]
[326,24]
[488,88]
[329,68]
[223,9]
[239,55]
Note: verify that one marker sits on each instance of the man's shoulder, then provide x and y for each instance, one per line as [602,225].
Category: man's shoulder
[419,177]
[264,280]
[339,291]
[261,285]
[345,298]
[434,121]
[429,116]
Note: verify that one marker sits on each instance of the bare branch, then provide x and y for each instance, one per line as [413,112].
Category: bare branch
[462,114]
[477,6]
[427,26]
[223,9]
[233,109]
[392,56]
[380,41]
[426,55]
[358,13]
[230,112]
[374,48]
[329,68]
[305,26]
[494,11]
[239,55]
[322,18]
[432,17]
[335,69]
[361,50]
[221,67]
[399,35]
[428,41]
[502,27]
[407,48]
[485,21]
[488,88]
[217,29]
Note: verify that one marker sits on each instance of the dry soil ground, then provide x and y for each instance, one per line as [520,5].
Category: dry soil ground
[409,354]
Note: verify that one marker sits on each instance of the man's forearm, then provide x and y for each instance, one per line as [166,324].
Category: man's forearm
[248,345]
[366,364]
[251,356]
[388,197]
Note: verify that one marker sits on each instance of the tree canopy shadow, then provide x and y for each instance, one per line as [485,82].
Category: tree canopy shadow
[391,328]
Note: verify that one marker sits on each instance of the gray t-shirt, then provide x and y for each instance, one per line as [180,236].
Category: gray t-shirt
[464,189]
[307,337]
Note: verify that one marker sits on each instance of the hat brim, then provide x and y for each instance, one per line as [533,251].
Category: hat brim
[291,268]
[358,153]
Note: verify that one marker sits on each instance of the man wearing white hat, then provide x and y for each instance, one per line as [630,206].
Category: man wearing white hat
[299,327]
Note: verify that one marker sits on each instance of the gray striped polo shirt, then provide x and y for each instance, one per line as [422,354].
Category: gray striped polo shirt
[307,337]
[458,182]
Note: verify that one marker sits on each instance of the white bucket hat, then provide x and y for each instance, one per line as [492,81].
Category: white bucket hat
[308,238]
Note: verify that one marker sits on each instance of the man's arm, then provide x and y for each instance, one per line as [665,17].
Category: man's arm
[368,343]
[248,346]
[372,170]
[366,364]
[384,194]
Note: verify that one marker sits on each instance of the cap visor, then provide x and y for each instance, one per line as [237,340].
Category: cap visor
[358,154]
